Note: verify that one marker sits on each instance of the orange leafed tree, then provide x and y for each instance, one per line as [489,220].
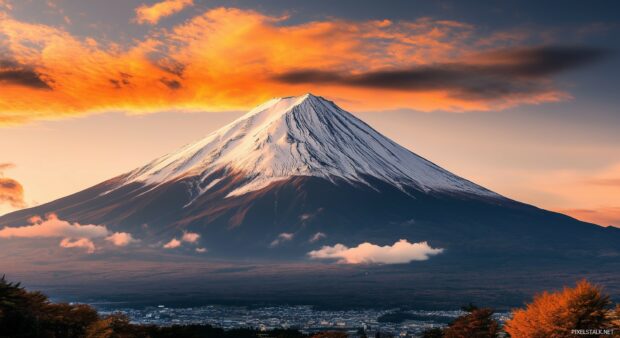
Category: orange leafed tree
[477,323]
[556,314]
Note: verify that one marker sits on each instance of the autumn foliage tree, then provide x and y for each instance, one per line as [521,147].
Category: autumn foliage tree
[556,314]
[615,317]
[478,323]
[330,334]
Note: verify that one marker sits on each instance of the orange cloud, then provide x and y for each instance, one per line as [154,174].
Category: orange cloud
[78,243]
[5,166]
[190,237]
[5,6]
[54,227]
[11,191]
[121,239]
[74,235]
[152,14]
[232,59]
[173,244]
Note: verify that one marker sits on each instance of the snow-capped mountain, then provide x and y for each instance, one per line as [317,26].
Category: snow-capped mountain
[300,136]
[297,173]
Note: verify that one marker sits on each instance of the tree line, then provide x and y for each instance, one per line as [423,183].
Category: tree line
[582,310]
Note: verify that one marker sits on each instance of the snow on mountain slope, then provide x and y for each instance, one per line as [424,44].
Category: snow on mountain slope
[301,136]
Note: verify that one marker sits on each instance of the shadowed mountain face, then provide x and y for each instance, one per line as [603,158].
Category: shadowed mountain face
[302,166]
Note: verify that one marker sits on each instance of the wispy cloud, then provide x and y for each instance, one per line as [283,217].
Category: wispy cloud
[188,237]
[11,191]
[602,215]
[605,182]
[502,74]
[172,244]
[317,237]
[283,237]
[78,243]
[368,253]
[121,239]
[12,73]
[5,6]
[153,13]
[588,194]
[5,166]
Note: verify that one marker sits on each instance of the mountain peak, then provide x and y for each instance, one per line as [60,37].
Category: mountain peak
[301,98]
[283,105]
[303,135]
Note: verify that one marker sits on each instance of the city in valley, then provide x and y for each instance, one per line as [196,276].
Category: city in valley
[304,318]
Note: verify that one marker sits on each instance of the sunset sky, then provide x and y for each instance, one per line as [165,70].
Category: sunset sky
[520,97]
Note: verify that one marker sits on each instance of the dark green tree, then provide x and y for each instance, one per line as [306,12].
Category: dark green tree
[31,314]
[433,333]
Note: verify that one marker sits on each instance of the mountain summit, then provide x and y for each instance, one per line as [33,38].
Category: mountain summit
[300,136]
[297,173]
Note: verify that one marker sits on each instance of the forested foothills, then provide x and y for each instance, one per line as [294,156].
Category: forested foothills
[573,311]
[30,314]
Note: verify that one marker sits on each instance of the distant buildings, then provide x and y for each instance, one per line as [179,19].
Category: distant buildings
[303,318]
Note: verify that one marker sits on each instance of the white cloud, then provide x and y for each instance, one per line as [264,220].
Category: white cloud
[73,235]
[78,243]
[283,237]
[400,252]
[190,237]
[121,239]
[318,236]
[54,227]
[153,13]
[201,250]
[174,243]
